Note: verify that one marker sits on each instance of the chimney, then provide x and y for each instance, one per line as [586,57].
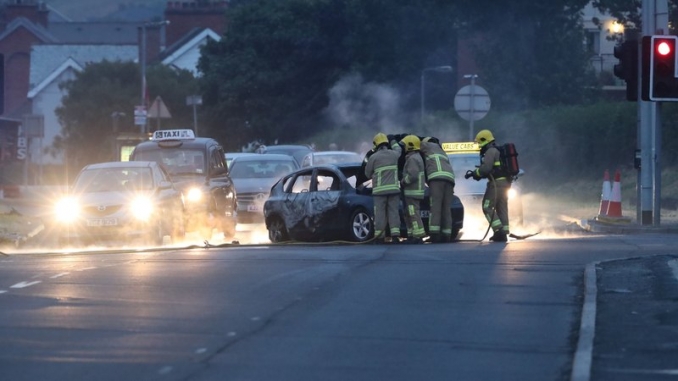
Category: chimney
[32,10]
[186,15]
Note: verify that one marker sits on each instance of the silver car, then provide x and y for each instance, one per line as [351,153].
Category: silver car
[253,177]
[120,202]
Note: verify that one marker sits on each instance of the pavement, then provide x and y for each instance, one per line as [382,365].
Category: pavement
[629,321]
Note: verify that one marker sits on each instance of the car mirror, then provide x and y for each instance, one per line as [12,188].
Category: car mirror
[214,172]
[164,185]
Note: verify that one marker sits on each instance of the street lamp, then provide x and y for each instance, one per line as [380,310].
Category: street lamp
[142,59]
[439,69]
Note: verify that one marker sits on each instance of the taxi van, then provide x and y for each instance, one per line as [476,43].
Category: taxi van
[465,156]
[197,167]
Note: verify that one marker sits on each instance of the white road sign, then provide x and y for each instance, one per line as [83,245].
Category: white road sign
[472,102]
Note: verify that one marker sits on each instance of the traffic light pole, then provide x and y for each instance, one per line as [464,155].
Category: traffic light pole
[655,21]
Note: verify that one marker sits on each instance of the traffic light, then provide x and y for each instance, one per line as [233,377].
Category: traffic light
[627,68]
[659,68]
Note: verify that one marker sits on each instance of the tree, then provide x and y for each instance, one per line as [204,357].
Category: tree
[103,88]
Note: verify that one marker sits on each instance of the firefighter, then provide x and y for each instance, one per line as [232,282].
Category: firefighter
[382,168]
[440,179]
[495,200]
[413,188]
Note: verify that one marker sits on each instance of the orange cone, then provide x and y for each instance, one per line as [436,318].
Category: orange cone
[614,208]
[605,196]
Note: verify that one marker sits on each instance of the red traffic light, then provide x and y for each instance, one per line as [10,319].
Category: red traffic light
[664,48]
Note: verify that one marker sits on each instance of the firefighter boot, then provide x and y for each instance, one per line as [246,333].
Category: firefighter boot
[499,236]
[435,238]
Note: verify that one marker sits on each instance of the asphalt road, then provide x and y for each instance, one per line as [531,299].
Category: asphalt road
[463,311]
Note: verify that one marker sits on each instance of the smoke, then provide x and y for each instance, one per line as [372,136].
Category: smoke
[361,109]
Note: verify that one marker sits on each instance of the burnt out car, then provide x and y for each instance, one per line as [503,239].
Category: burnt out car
[329,203]
[197,167]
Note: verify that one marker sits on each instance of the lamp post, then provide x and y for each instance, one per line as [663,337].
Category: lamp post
[472,77]
[194,100]
[142,59]
[439,69]
[115,117]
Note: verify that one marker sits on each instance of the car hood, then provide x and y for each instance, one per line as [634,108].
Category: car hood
[109,198]
[254,185]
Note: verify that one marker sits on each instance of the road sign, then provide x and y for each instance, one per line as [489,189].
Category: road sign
[472,102]
[158,109]
[140,115]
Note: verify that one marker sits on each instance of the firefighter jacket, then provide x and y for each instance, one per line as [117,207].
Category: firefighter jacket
[437,163]
[414,175]
[490,163]
[382,168]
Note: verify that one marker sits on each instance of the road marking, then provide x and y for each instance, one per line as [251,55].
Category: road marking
[668,372]
[165,370]
[231,334]
[581,366]
[25,284]
[3,291]
[200,350]
[58,275]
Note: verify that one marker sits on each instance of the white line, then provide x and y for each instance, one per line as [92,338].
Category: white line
[25,284]
[581,366]
[58,275]
[3,291]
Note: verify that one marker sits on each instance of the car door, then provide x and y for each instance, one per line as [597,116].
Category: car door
[323,210]
[221,187]
[295,203]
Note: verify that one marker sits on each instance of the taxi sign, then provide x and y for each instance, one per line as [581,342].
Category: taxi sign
[459,147]
[173,135]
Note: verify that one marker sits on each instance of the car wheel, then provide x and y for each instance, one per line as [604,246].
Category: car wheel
[156,234]
[361,227]
[277,231]
[178,230]
[228,227]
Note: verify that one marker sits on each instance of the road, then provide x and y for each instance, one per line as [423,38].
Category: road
[463,311]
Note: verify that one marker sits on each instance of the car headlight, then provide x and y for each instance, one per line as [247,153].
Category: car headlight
[512,193]
[194,195]
[67,209]
[141,208]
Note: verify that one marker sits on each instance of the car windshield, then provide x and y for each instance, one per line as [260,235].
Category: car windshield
[331,158]
[176,161]
[114,180]
[259,169]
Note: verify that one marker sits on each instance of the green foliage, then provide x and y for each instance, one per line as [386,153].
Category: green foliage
[104,88]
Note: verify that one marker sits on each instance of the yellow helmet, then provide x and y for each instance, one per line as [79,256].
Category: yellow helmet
[412,143]
[484,137]
[379,139]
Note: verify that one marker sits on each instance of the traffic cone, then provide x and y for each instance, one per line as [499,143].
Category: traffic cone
[605,196]
[614,208]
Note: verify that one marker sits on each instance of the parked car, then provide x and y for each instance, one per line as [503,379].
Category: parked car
[330,157]
[465,156]
[253,176]
[296,151]
[119,202]
[197,167]
[325,203]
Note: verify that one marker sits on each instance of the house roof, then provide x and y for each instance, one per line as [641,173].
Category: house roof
[49,61]
[21,22]
[192,40]
[95,32]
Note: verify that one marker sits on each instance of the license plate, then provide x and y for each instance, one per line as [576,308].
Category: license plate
[254,208]
[423,213]
[102,222]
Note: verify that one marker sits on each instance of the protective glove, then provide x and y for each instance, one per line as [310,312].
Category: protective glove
[468,174]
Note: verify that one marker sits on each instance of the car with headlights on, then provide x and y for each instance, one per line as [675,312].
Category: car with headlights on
[120,202]
[465,156]
[331,202]
[253,175]
[197,167]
